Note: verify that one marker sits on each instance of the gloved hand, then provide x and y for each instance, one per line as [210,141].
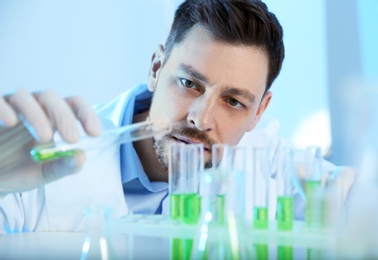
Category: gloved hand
[41,114]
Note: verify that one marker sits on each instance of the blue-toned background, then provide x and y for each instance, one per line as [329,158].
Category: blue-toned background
[97,49]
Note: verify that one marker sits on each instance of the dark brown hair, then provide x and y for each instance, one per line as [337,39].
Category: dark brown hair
[237,22]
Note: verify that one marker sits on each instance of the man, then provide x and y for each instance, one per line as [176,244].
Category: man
[211,81]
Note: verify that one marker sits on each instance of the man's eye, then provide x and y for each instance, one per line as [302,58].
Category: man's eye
[188,83]
[234,103]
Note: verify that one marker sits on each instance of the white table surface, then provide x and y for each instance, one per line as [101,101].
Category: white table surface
[62,245]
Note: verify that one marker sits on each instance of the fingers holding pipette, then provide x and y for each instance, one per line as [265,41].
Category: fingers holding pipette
[31,113]
[64,114]
[8,117]
[86,115]
[44,112]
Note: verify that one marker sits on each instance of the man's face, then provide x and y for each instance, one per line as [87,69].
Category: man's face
[209,90]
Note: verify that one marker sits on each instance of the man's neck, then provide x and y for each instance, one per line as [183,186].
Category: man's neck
[147,154]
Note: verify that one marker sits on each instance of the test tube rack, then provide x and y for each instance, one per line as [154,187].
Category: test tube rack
[163,226]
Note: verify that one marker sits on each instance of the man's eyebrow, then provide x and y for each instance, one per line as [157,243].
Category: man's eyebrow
[192,72]
[242,93]
[231,91]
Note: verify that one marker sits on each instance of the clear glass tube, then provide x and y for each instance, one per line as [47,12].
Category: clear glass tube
[260,186]
[97,242]
[284,178]
[285,170]
[222,228]
[314,178]
[115,136]
[315,196]
[186,162]
[261,176]
[335,202]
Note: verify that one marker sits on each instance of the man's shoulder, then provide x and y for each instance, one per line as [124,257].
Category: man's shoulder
[124,96]
[115,109]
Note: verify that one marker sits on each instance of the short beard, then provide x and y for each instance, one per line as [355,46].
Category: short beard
[161,146]
[161,150]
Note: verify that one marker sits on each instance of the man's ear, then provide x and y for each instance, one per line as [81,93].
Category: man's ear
[263,105]
[156,63]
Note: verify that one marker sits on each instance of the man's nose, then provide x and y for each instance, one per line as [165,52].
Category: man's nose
[202,113]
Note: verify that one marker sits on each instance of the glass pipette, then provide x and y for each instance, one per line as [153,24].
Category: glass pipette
[115,136]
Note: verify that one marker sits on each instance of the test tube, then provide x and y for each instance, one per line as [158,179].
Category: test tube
[315,196]
[97,234]
[260,184]
[221,159]
[186,162]
[235,205]
[335,200]
[284,176]
[285,208]
[115,136]
[261,176]
[314,191]
[223,207]
[229,162]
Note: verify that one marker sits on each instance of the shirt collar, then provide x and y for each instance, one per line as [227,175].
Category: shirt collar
[138,100]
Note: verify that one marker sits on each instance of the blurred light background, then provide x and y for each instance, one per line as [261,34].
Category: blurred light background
[97,49]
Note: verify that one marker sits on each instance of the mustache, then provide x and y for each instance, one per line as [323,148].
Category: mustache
[193,133]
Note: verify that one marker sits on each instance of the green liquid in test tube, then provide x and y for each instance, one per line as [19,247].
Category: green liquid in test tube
[260,178]
[174,200]
[313,208]
[314,191]
[261,222]
[221,233]
[116,136]
[185,164]
[285,213]
[190,205]
[186,208]
[314,213]
[39,156]
[262,252]
[285,204]
[285,217]
[176,244]
[285,252]
[220,208]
